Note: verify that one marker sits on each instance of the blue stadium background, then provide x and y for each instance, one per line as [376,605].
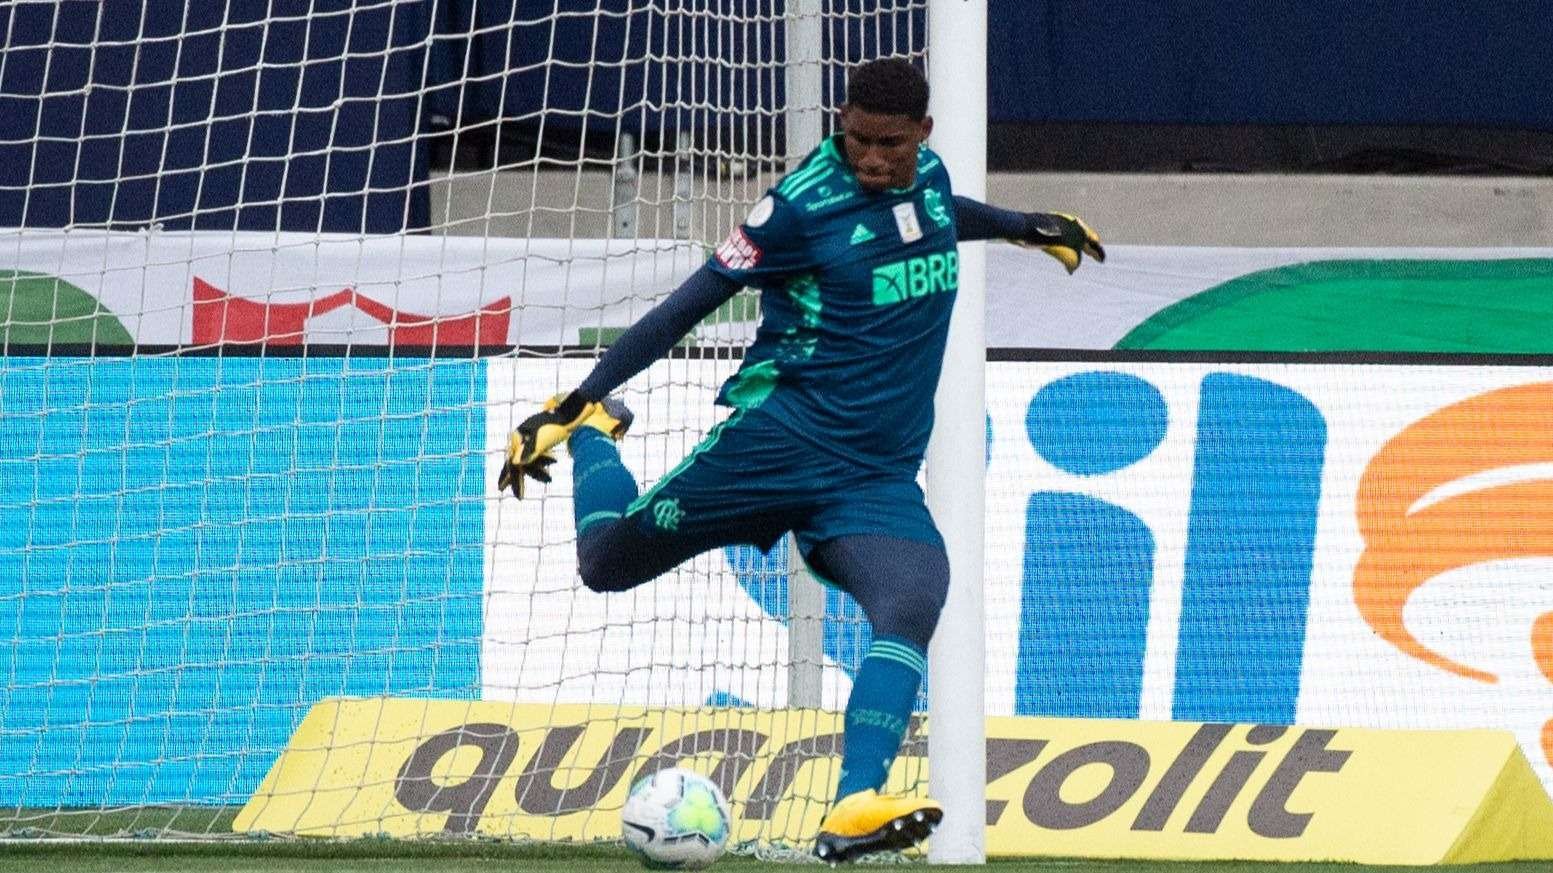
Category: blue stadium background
[194,550]
[310,142]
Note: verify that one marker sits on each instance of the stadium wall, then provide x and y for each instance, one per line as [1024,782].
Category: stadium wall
[1321,61]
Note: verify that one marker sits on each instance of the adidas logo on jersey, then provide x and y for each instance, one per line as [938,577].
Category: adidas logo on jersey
[861,234]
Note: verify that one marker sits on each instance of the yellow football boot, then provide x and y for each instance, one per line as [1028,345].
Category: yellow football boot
[868,822]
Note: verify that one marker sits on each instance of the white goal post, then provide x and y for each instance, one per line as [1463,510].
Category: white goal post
[957,33]
[957,769]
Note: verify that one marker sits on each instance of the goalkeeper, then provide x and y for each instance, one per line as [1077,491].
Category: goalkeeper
[854,255]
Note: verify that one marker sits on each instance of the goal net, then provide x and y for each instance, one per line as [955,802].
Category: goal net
[279,279]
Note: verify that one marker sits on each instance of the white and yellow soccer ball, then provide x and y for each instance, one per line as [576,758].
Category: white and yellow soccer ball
[675,819]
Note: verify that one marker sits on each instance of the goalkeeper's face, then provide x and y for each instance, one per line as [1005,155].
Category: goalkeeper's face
[882,149]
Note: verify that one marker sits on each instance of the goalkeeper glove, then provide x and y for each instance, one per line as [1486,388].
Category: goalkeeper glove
[530,449]
[1065,237]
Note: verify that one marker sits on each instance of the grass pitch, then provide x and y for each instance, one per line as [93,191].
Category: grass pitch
[141,840]
[389,856]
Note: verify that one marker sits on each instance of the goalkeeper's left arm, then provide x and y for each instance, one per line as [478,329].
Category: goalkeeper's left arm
[1065,237]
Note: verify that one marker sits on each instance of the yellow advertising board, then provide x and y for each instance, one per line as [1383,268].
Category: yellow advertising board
[1181,790]
[359,767]
[1063,787]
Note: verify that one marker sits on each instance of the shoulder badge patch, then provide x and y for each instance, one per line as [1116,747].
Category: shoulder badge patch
[761,213]
[738,251]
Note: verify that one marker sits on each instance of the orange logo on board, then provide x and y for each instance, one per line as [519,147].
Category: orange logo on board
[1407,546]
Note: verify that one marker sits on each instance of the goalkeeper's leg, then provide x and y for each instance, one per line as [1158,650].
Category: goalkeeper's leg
[901,585]
[613,554]
[618,549]
[737,486]
[602,486]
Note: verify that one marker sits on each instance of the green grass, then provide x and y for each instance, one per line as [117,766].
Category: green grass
[390,856]
[142,822]
[199,840]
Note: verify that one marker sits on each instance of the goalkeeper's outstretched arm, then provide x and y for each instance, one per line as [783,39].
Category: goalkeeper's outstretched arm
[655,333]
[1065,237]
[529,448]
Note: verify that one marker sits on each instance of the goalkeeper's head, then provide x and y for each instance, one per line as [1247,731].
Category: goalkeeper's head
[884,121]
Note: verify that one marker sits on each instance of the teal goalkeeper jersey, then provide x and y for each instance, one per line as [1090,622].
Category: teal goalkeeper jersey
[856,292]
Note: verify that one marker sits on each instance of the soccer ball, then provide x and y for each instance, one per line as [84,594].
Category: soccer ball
[675,819]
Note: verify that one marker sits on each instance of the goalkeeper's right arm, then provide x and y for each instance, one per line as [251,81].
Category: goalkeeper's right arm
[655,333]
[650,338]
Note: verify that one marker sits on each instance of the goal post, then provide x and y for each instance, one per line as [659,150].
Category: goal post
[805,126]
[956,742]
[957,770]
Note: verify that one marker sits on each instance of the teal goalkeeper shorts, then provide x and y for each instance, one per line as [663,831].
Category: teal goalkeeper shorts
[752,480]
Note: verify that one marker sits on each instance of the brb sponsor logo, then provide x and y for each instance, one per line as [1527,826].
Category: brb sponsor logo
[916,277]
[1426,503]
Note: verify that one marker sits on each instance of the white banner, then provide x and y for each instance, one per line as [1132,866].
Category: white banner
[1209,542]
[203,287]
[181,288]
[1349,545]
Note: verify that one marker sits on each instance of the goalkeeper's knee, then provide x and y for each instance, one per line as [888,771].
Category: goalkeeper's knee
[606,564]
[600,572]
[900,584]
[912,610]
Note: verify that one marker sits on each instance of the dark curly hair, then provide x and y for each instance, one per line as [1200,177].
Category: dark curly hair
[888,86]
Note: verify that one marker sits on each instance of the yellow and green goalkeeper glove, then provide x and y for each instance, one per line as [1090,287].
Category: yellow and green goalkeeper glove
[1065,237]
[530,449]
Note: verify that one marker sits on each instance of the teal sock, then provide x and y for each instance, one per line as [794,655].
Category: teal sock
[602,486]
[877,712]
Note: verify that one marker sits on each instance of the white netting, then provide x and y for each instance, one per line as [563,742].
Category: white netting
[283,277]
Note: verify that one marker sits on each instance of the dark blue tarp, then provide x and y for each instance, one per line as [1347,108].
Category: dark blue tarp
[305,116]
[253,114]
[1485,64]
[645,65]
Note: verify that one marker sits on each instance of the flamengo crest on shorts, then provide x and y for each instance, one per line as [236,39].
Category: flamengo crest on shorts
[738,252]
